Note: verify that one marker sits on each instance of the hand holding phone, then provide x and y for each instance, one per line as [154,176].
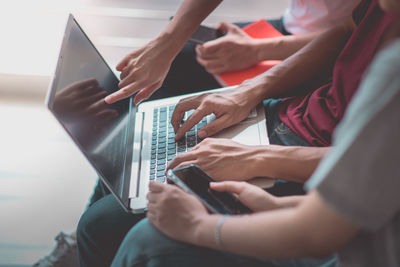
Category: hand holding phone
[194,180]
[204,34]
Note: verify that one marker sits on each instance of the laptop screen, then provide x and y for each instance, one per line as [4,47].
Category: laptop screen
[81,82]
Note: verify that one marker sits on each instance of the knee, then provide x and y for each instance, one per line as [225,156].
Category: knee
[142,242]
[143,235]
[86,226]
[92,221]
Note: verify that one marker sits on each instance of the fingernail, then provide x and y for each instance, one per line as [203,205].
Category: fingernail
[202,134]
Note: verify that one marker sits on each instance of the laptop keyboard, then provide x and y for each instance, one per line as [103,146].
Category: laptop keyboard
[163,146]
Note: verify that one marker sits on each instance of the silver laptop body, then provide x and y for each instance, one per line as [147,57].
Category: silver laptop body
[120,140]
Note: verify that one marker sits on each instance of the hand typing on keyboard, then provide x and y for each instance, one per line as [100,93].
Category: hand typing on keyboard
[164,147]
[229,108]
[223,159]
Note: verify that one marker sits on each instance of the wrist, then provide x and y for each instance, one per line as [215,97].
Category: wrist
[268,48]
[251,92]
[168,42]
[204,231]
[268,161]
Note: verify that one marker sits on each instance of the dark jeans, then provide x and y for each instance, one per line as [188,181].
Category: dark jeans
[145,246]
[280,134]
[104,224]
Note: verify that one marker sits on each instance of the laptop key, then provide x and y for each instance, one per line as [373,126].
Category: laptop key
[161,167]
[161,145]
[160,174]
[191,139]
[161,162]
[161,179]
[152,177]
[171,146]
[201,125]
[170,157]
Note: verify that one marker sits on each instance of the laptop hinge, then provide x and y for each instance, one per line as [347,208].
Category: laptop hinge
[137,152]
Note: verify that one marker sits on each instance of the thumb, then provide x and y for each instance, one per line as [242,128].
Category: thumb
[228,186]
[227,27]
[210,47]
[213,127]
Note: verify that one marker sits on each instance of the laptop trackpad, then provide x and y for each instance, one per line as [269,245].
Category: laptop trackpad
[245,133]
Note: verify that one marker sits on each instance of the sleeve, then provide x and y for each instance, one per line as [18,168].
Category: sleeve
[360,178]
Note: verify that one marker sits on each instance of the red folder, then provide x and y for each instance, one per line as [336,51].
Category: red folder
[259,29]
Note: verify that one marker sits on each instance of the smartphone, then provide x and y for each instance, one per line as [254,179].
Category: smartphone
[204,34]
[194,180]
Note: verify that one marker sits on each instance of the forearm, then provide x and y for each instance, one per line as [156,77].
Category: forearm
[309,62]
[312,229]
[280,48]
[261,235]
[293,163]
[186,20]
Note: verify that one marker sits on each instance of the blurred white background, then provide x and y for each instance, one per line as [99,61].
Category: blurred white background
[44,181]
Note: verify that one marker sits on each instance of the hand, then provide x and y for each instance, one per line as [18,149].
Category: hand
[174,212]
[232,52]
[143,71]
[252,196]
[229,108]
[222,159]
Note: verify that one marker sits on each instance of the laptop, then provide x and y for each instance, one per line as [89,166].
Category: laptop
[127,145]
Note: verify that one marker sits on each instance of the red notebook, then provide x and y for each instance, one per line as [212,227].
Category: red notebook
[259,29]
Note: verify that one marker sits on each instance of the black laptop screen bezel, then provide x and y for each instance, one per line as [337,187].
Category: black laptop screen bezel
[123,197]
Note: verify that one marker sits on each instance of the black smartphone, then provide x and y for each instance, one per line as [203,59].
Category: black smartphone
[204,34]
[194,180]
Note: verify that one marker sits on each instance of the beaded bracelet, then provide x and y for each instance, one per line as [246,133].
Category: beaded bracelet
[218,240]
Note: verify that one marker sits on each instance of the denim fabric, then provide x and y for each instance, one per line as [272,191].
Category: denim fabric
[280,134]
[104,224]
[101,230]
[144,246]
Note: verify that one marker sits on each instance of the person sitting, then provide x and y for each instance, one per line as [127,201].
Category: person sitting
[104,224]
[352,207]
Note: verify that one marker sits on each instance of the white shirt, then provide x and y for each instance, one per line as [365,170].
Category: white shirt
[304,16]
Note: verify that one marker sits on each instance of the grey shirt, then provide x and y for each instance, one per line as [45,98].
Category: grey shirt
[360,178]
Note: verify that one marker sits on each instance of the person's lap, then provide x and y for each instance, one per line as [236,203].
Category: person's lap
[103,226]
[144,245]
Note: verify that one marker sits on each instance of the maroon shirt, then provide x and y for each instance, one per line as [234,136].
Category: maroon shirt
[315,115]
